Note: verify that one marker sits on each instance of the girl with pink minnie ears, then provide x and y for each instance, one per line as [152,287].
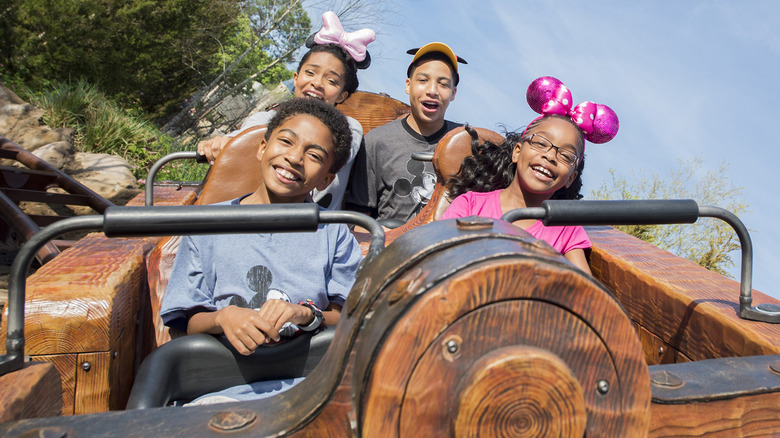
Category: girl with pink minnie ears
[544,162]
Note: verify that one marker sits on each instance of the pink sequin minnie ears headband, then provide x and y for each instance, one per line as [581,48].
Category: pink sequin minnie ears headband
[547,96]
[353,42]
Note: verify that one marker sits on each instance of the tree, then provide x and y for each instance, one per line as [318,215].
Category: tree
[148,51]
[708,242]
[271,33]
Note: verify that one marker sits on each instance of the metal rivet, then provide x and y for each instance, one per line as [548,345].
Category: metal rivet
[666,379]
[116,354]
[452,346]
[602,386]
[661,351]
[474,223]
[232,420]
[45,432]
[86,366]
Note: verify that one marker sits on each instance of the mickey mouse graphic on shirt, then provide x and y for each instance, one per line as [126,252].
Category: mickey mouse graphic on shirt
[258,279]
[420,188]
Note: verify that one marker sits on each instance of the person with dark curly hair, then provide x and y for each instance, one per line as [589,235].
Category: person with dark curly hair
[263,288]
[544,162]
[327,72]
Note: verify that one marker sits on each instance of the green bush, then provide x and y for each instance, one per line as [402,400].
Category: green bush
[101,126]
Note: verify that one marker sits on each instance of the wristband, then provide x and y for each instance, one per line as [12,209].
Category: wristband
[317,315]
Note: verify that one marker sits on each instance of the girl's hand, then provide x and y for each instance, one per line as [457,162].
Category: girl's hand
[212,147]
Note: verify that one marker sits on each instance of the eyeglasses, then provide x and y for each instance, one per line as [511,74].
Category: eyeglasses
[541,144]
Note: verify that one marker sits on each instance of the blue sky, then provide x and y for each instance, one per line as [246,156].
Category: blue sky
[688,79]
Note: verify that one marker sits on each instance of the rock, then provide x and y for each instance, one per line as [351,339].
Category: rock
[57,154]
[105,174]
[21,123]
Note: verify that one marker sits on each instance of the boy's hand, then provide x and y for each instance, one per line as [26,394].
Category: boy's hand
[278,312]
[212,147]
[244,328]
[247,329]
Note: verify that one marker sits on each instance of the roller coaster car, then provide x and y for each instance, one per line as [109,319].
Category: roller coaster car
[459,327]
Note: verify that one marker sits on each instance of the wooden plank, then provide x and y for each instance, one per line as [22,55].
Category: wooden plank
[168,195]
[658,352]
[31,392]
[17,178]
[66,367]
[757,415]
[92,389]
[688,307]
[19,195]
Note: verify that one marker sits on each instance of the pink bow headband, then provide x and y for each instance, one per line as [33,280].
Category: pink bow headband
[547,96]
[353,42]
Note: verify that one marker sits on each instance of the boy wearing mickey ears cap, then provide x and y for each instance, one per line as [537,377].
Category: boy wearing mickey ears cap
[386,182]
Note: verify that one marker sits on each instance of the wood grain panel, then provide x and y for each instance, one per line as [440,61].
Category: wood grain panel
[31,392]
[686,306]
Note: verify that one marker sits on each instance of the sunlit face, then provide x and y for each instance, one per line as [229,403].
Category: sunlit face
[296,158]
[431,89]
[541,172]
[321,77]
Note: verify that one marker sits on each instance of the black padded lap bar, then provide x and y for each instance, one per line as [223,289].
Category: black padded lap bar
[209,219]
[629,212]
[624,212]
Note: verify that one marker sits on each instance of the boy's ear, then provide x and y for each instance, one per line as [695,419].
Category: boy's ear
[454,90]
[408,83]
[329,177]
[261,148]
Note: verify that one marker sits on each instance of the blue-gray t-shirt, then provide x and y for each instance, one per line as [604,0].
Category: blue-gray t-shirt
[213,271]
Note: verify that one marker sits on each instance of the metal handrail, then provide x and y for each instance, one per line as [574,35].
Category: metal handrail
[149,189]
[171,221]
[655,212]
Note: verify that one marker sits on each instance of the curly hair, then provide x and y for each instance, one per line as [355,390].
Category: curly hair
[350,67]
[490,167]
[332,118]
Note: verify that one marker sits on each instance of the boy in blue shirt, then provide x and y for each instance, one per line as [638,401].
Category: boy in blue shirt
[251,286]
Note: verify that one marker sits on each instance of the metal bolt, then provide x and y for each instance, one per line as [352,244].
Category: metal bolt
[661,351]
[86,366]
[602,386]
[116,354]
[232,420]
[452,346]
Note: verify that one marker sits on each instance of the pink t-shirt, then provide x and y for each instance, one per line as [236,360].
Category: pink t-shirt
[488,204]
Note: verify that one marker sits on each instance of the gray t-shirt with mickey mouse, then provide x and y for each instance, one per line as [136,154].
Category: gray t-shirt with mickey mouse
[213,271]
[386,178]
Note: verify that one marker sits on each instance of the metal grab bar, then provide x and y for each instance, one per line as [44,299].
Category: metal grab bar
[170,221]
[655,212]
[186,155]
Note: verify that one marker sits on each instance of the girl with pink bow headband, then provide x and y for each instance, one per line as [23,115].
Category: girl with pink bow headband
[544,162]
[328,72]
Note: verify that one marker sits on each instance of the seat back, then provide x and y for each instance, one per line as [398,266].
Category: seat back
[194,365]
[236,170]
[372,109]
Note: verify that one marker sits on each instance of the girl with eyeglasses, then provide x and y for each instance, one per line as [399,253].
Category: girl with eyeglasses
[544,162]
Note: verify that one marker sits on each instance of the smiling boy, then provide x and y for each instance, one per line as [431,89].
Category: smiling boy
[251,286]
[386,182]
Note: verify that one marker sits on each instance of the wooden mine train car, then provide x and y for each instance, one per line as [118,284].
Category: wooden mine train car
[456,328]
